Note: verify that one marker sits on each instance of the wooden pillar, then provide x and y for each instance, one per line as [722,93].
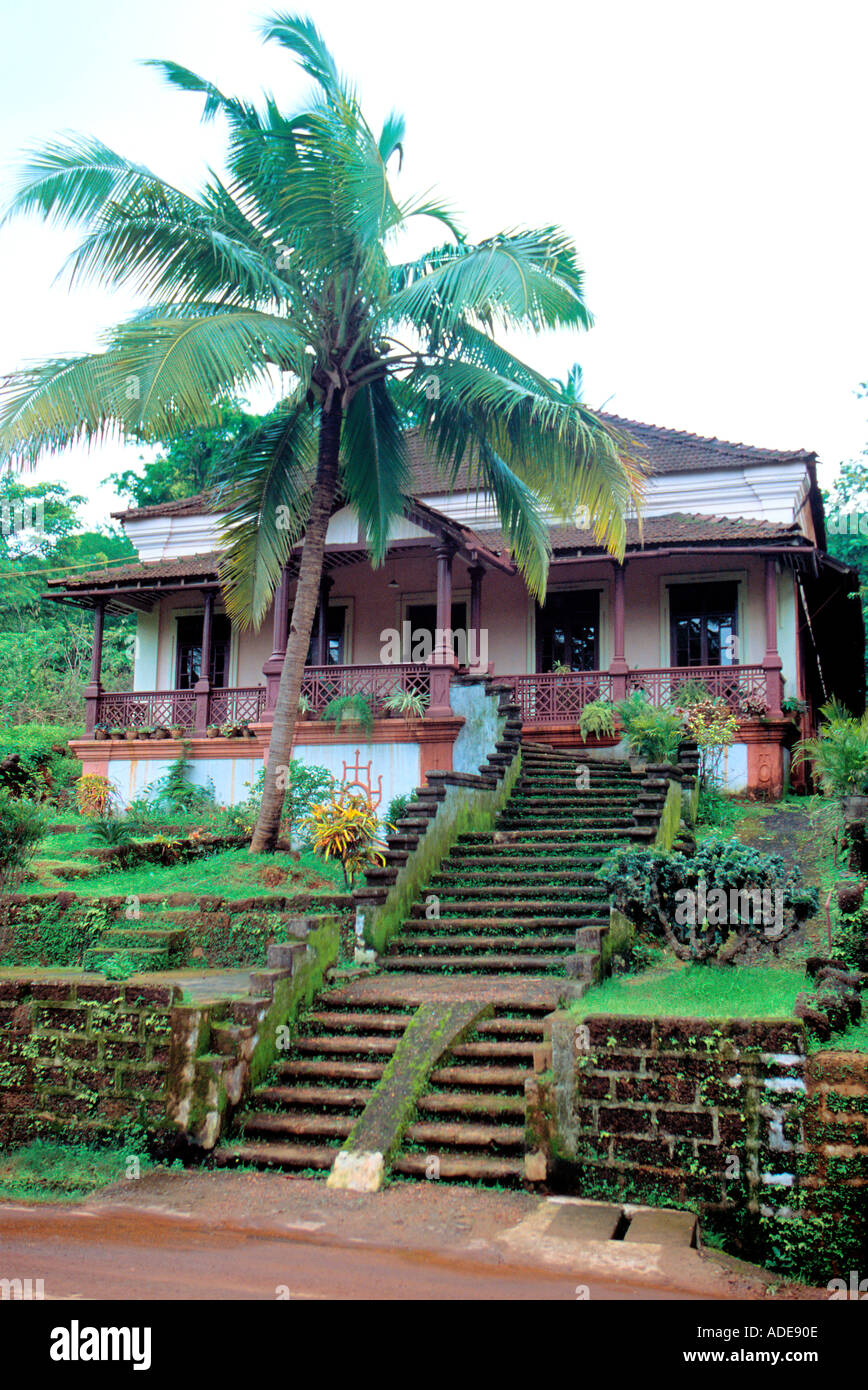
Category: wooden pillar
[94,690]
[203,684]
[280,636]
[442,661]
[618,667]
[772,659]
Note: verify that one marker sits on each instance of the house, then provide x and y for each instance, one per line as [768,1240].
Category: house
[727,582]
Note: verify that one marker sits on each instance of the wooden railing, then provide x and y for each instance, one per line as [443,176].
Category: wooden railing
[548,698]
[376,683]
[176,709]
[148,709]
[734,684]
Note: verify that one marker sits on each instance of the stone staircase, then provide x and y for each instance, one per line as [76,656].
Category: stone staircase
[301,1116]
[507,912]
[524,897]
[470,1124]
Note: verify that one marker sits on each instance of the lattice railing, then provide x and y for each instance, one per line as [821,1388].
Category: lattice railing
[548,698]
[236,706]
[148,709]
[734,684]
[321,684]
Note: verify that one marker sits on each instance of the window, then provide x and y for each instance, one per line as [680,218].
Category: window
[336,625]
[703,624]
[422,618]
[189,660]
[568,631]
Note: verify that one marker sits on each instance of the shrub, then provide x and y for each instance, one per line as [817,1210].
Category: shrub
[689,901]
[93,794]
[22,827]
[396,809]
[112,830]
[174,791]
[714,727]
[35,761]
[653,732]
[346,828]
[839,753]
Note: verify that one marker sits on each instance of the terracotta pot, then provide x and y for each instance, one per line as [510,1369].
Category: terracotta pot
[177,731]
[100,735]
[131,735]
[212,733]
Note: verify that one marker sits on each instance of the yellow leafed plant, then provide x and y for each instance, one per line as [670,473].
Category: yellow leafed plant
[346,828]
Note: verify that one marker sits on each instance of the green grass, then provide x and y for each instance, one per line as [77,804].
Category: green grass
[231,873]
[697,991]
[47,1171]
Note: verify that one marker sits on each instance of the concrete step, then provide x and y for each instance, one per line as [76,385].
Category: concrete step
[466,1134]
[346,1045]
[467,1076]
[468,1167]
[318,1126]
[332,1071]
[316,1156]
[340,1097]
[472,1103]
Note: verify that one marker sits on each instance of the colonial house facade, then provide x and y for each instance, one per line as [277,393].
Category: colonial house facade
[727,581]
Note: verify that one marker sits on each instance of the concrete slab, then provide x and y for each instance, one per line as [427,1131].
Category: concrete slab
[583,1221]
[660,1226]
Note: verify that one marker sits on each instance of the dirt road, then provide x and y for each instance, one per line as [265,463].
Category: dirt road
[224,1236]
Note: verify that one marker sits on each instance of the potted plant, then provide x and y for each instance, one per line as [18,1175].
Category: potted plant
[303,707]
[116,733]
[229,729]
[100,732]
[406,704]
[131,735]
[597,720]
[245,730]
[350,709]
[212,731]
[161,731]
[177,731]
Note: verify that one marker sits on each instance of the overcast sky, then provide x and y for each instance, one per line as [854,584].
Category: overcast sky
[707,159]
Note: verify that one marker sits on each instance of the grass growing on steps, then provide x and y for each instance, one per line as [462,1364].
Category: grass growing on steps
[697,991]
[46,1171]
[231,873]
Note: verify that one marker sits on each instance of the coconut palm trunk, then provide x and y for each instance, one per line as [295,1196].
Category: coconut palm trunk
[307,593]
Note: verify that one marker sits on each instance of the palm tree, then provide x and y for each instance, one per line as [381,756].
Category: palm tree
[282,267]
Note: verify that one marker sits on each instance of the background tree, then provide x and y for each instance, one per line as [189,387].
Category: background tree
[846,504]
[45,646]
[283,270]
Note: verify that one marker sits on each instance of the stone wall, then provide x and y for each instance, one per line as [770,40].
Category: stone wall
[679,1109]
[81,1056]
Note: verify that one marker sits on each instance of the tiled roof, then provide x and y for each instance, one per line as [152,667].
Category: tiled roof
[663,450]
[189,567]
[677,528]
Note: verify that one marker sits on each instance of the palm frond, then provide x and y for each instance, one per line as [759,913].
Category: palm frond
[561,450]
[528,279]
[73,180]
[374,474]
[266,494]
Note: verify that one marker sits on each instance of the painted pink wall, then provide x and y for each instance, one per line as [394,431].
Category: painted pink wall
[508,612]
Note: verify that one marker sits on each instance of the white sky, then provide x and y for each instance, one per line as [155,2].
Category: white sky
[707,159]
